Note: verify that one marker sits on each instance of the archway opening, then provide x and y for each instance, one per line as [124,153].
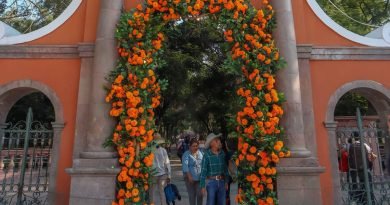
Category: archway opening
[26,143]
[363,177]
[40,104]
[198,90]
[197,85]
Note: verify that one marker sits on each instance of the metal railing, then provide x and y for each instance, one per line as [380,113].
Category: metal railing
[25,158]
[363,174]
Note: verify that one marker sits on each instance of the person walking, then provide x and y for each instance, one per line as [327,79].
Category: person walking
[357,168]
[162,174]
[184,145]
[192,162]
[215,170]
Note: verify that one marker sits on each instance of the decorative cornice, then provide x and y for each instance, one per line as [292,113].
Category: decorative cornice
[82,50]
[299,171]
[331,125]
[342,53]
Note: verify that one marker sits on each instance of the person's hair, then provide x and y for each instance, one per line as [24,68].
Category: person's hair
[356,135]
[193,141]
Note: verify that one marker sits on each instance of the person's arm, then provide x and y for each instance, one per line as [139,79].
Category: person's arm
[226,167]
[185,160]
[167,163]
[185,166]
[204,171]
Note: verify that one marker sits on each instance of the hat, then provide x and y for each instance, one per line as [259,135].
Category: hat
[158,139]
[210,138]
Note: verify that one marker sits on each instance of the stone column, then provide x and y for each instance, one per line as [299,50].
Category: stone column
[298,180]
[86,52]
[288,78]
[331,128]
[100,124]
[94,172]
[58,127]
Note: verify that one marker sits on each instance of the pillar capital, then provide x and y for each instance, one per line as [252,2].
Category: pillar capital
[330,125]
[58,126]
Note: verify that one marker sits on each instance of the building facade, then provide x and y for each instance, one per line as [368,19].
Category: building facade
[69,59]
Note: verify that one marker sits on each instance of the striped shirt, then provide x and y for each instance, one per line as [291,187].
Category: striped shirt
[213,165]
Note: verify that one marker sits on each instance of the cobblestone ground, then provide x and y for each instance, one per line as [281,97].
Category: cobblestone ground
[178,180]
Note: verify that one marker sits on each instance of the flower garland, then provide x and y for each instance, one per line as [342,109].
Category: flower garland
[135,92]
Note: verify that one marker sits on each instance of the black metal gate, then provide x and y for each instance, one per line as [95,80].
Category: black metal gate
[364,176]
[25,154]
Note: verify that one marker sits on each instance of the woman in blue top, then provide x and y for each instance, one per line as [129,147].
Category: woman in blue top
[192,162]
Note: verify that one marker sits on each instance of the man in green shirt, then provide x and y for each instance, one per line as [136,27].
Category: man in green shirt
[215,170]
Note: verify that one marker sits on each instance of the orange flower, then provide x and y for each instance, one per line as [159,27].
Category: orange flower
[261,170]
[132,112]
[253,150]
[129,185]
[267,98]
[244,122]
[136,199]
[270,200]
[135,192]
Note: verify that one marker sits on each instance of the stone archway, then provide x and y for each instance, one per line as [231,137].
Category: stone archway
[10,93]
[378,96]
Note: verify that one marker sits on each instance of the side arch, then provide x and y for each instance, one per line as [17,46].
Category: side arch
[371,90]
[11,92]
[374,92]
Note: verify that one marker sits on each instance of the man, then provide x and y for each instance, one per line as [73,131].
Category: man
[162,168]
[215,170]
[356,169]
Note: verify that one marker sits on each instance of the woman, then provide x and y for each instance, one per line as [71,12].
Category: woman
[192,161]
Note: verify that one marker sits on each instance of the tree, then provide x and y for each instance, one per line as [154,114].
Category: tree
[372,12]
[349,102]
[43,110]
[200,90]
[29,15]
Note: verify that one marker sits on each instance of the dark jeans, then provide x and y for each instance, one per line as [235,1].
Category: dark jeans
[216,192]
[358,192]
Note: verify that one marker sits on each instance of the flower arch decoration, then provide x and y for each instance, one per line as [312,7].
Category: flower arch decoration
[135,92]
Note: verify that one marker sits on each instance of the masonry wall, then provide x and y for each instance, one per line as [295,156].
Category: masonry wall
[329,72]
[59,70]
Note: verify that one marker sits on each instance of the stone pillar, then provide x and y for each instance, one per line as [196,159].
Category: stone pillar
[298,180]
[331,128]
[100,123]
[288,80]
[304,55]
[58,127]
[94,172]
[86,52]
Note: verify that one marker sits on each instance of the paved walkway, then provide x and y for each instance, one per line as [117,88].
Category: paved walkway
[178,180]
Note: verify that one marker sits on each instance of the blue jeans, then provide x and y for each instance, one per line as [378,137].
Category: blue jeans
[216,192]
